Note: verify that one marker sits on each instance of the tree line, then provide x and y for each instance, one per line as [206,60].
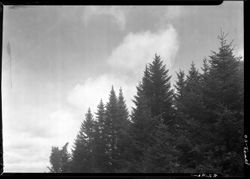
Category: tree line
[195,127]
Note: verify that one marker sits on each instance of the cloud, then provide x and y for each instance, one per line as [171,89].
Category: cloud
[115,12]
[138,49]
[92,90]
[39,131]
[126,60]
[240,53]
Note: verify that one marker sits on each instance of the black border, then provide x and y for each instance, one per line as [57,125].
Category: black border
[117,2]
[112,2]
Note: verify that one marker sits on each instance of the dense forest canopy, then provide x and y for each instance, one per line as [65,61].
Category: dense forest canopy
[198,127]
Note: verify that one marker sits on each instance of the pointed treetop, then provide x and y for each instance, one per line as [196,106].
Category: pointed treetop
[100,106]
[223,42]
[121,98]
[193,69]
[222,37]
[205,66]
[112,89]
[180,74]
[120,91]
[157,59]
[89,115]
[112,96]
[157,56]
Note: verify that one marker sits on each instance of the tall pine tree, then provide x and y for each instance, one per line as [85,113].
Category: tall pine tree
[82,154]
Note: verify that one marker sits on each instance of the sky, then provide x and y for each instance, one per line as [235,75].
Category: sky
[60,60]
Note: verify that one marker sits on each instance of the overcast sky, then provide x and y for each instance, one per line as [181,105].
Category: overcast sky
[64,59]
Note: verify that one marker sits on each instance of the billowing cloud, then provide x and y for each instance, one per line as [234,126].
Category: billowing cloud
[116,12]
[138,49]
[92,90]
[129,58]
[36,137]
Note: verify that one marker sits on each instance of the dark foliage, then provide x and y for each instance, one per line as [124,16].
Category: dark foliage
[196,128]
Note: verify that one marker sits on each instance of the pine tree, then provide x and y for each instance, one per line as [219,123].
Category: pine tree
[180,86]
[162,94]
[223,88]
[141,123]
[65,159]
[60,160]
[111,121]
[193,100]
[55,160]
[82,154]
[123,138]
[100,138]
[142,99]
[154,105]
[223,97]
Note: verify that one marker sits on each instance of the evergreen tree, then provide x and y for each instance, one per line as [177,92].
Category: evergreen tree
[223,98]
[162,94]
[197,129]
[193,100]
[180,86]
[223,85]
[100,138]
[111,121]
[188,118]
[82,154]
[122,134]
[141,123]
[154,105]
[55,160]
[142,99]
[60,160]
[65,158]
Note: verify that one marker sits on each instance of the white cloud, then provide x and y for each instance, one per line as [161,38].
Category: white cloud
[240,53]
[116,12]
[89,94]
[137,49]
[36,135]
[129,58]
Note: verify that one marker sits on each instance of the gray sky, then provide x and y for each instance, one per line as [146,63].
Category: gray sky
[64,59]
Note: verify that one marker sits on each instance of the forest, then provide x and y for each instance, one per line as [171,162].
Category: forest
[195,125]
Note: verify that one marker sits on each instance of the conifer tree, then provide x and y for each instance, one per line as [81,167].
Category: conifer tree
[100,138]
[60,160]
[141,123]
[111,121]
[55,160]
[180,86]
[122,134]
[223,98]
[65,158]
[154,104]
[82,154]
[223,88]
[162,94]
